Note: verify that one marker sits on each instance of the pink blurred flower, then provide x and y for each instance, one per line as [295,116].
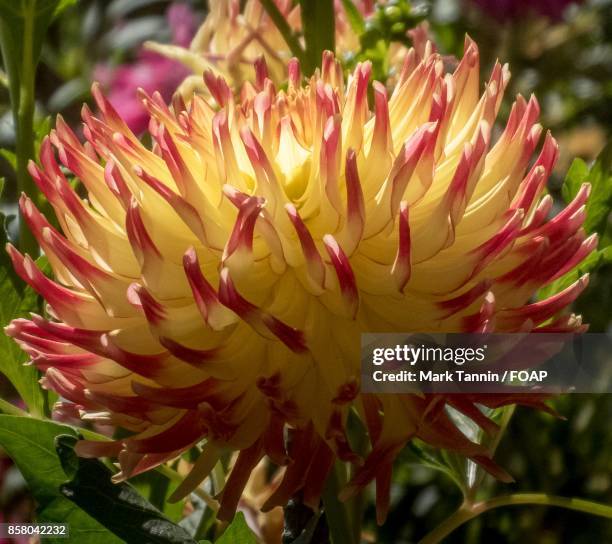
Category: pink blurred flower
[504,10]
[150,71]
[17,505]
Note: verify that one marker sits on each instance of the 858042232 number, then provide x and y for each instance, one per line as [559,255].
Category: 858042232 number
[42,530]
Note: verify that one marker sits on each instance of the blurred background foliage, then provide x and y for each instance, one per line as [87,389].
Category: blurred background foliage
[562,55]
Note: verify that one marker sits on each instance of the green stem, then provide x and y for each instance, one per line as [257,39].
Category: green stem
[206,522]
[218,477]
[319,23]
[356,506]
[469,511]
[24,126]
[174,476]
[338,519]
[458,518]
[507,413]
[283,27]
[359,442]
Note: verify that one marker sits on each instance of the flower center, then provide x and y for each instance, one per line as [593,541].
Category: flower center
[294,162]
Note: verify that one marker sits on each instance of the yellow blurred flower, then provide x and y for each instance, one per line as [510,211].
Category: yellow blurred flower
[268,526]
[212,290]
[231,41]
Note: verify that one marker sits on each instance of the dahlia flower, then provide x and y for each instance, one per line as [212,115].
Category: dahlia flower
[212,290]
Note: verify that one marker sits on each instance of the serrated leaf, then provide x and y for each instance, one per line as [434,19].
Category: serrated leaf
[31,444]
[597,213]
[593,262]
[600,200]
[416,453]
[237,532]
[576,175]
[118,507]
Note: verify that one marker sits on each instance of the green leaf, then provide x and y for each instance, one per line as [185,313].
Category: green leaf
[600,200]
[156,489]
[23,24]
[18,300]
[118,507]
[576,175]
[63,5]
[597,212]
[42,127]
[237,532]
[336,512]
[592,263]
[309,531]
[354,17]
[418,453]
[10,157]
[30,443]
